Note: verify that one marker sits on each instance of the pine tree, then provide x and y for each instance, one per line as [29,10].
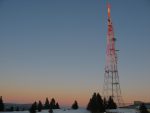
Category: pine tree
[114,105]
[52,104]
[33,108]
[89,105]
[92,106]
[96,103]
[105,102]
[46,106]
[57,106]
[35,105]
[143,108]
[40,106]
[75,105]
[1,104]
[100,105]
[111,104]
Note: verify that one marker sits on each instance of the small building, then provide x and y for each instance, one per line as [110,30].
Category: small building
[138,103]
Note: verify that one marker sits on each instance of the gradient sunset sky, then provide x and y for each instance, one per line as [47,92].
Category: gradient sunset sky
[56,48]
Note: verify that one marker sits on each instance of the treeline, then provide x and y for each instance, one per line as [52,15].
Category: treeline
[36,106]
[48,105]
[97,104]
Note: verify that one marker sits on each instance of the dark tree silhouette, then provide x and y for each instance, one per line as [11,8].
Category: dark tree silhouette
[33,108]
[111,104]
[1,104]
[105,102]
[89,105]
[100,105]
[96,104]
[39,106]
[93,104]
[52,104]
[57,106]
[46,105]
[75,105]
[143,108]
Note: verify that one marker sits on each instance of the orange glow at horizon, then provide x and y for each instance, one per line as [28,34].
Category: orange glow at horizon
[64,95]
[63,98]
[29,96]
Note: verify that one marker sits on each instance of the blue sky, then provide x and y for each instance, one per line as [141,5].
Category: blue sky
[60,45]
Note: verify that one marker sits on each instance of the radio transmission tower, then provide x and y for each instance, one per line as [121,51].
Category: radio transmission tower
[111,78]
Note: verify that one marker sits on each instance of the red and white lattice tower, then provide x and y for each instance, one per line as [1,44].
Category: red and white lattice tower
[111,78]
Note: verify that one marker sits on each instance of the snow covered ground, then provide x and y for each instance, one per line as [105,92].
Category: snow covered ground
[81,110]
[124,110]
[64,110]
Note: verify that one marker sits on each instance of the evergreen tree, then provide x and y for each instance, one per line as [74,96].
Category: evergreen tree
[143,108]
[114,105]
[92,103]
[89,105]
[46,106]
[96,103]
[35,105]
[40,106]
[100,105]
[105,102]
[52,104]
[1,104]
[111,104]
[57,106]
[33,108]
[75,105]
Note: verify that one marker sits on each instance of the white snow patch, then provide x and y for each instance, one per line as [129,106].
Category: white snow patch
[64,110]
[81,110]
[123,110]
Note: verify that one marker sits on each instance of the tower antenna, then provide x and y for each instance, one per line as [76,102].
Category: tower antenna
[111,77]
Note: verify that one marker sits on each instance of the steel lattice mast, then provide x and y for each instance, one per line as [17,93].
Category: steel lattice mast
[111,77]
